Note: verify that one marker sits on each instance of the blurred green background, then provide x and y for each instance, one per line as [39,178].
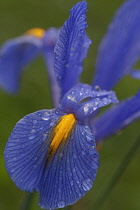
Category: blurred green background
[18,16]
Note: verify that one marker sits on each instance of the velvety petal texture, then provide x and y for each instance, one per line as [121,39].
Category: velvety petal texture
[61,177]
[117,117]
[71,48]
[120,48]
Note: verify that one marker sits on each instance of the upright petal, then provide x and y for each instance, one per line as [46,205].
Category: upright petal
[120,48]
[71,48]
[117,117]
[14,55]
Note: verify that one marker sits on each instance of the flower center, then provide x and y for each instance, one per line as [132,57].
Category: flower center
[37,32]
[61,132]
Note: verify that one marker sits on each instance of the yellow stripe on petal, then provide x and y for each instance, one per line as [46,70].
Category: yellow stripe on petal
[61,132]
[37,32]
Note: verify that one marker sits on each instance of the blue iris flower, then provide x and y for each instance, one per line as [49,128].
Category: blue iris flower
[53,151]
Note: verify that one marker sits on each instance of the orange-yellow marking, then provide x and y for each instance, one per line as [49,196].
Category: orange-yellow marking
[61,132]
[37,32]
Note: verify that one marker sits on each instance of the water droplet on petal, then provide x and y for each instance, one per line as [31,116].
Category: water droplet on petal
[61,204]
[96,103]
[87,184]
[92,150]
[43,207]
[33,131]
[71,183]
[83,152]
[44,137]
[52,123]
[31,137]
[105,101]
[34,122]
[45,116]
[97,88]
[90,138]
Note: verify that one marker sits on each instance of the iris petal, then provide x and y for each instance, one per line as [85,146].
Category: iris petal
[73,101]
[60,179]
[71,172]
[26,148]
[48,43]
[120,48]
[14,55]
[117,118]
[71,48]
[18,52]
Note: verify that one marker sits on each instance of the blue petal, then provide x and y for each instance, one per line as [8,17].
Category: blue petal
[14,55]
[72,102]
[26,148]
[135,74]
[48,43]
[72,170]
[71,48]
[117,117]
[120,48]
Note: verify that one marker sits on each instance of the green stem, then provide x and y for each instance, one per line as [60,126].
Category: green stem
[27,201]
[117,174]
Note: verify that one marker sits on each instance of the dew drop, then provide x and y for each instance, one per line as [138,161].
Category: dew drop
[34,122]
[83,152]
[61,204]
[71,183]
[92,150]
[44,137]
[43,207]
[12,170]
[89,138]
[31,137]
[52,124]
[96,103]
[105,101]
[87,184]
[33,131]
[45,116]
[97,88]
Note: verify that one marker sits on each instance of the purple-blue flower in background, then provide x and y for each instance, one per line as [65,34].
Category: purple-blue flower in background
[53,152]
